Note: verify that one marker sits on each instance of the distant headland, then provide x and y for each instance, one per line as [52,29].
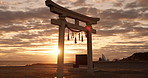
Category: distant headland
[141,56]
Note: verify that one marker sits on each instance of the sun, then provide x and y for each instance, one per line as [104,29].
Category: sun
[55,51]
[51,51]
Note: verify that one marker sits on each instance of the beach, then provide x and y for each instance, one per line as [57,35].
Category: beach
[101,70]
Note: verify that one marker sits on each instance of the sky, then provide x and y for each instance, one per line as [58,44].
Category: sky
[26,33]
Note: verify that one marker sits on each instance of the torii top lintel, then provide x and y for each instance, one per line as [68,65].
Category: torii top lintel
[68,13]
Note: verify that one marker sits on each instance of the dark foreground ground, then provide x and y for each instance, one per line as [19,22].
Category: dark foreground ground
[101,70]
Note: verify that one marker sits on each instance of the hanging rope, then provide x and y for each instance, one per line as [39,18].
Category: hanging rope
[75,38]
[74,35]
[73,30]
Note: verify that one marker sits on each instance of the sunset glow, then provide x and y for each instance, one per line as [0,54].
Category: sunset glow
[26,31]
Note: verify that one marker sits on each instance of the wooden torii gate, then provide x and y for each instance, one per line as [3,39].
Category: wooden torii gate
[63,13]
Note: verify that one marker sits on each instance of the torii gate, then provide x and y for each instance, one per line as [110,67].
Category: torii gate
[63,13]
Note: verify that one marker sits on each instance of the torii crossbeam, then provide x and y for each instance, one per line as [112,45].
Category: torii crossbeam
[63,13]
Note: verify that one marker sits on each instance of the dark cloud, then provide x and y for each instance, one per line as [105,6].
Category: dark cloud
[132,42]
[27,26]
[131,5]
[93,12]
[144,9]
[111,32]
[118,3]
[14,29]
[121,51]
[12,50]
[107,24]
[27,36]
[71,2]
[82,10]
[145,16]
[14,41]
[63,2]
[88,11]
[115,21]
[4,7]
[137,3]
[80,3]
[14,16]
[138,32]
[141,31]
[127,47]
[114,14]
[32,35]
[129,24]
[48,32]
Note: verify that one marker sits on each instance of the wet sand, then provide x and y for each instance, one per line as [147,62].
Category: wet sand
[101,70]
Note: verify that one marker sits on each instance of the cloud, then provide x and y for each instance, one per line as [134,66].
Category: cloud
[32,26]
[121,50]
[118,3]
[63,2]
[89,11]
[14,16]
[145,16]
[27,36]
[32,35]
[132,42]
[3,3]
[39,39]
[26,57]
[13,41]
[102,1]
[12,50]
[80,3]
[114,14]
[137,3]
[14,29]
[111,32]
[4,7]
[141,31]
[108,24]
[114,21]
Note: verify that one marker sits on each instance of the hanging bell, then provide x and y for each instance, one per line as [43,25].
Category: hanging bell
[82,38]
[79,36]
[75,40]
[68,36]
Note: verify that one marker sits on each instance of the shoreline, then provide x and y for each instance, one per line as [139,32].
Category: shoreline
[101,70]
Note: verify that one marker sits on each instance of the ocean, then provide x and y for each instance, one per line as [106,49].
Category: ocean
[19,63]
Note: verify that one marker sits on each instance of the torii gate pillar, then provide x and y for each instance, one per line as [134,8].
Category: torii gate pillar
[89,51]
[60,61]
